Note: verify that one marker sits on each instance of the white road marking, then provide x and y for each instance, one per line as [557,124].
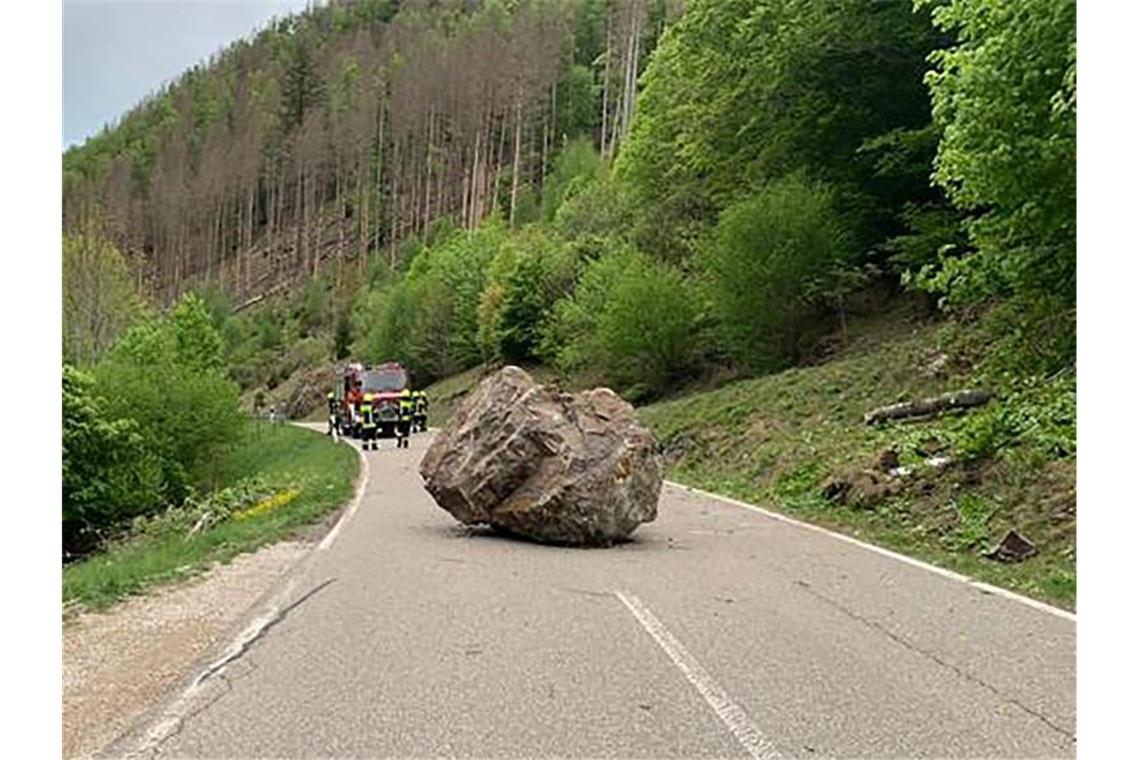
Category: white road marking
[733,716]
[361,482]
[984,587]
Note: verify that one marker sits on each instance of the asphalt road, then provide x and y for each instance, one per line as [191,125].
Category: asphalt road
[718,632]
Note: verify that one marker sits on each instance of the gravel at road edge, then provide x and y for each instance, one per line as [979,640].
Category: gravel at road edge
[120,662]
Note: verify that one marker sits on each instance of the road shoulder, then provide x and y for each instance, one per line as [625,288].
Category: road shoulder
[119,663]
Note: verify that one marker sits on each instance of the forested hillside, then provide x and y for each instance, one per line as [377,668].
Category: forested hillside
[338,133]
[658,196]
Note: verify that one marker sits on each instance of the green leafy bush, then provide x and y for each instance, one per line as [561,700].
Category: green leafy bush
[313,312]
[591,211]
[1035,417]
[1004,101]
[531,271]
[765,253]
[577,162]
[197,343]
[428,319]
[630,322]
[164,375]
[109,475]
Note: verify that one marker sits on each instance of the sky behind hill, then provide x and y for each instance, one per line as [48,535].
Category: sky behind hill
[115,52]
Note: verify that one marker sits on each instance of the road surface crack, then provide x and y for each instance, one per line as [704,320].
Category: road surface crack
[964,674]
[606,595]
[191,702]
[252,637]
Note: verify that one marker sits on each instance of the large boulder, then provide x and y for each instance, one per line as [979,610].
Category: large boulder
[554,467]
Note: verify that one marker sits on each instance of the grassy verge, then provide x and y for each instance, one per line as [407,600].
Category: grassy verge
[302,475]
[780,440]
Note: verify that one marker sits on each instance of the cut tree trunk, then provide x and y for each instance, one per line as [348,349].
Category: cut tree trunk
[927,407]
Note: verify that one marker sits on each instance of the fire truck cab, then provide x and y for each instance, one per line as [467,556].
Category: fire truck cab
[383,384]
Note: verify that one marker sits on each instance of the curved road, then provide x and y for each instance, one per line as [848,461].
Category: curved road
[719,632]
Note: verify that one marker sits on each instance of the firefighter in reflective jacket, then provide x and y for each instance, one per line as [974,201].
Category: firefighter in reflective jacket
[367,424]
[334,424]
[419,420]
[404,423]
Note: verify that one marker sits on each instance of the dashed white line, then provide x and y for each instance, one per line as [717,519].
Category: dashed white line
[979,585]
[731,714]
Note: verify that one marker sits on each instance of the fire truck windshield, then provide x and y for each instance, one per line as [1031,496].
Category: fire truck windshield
[380,381]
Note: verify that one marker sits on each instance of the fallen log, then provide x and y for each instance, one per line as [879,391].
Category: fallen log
[929,407]
[259,298]
[246,304]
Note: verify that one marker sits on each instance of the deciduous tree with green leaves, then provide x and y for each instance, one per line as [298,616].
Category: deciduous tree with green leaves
[1004,97]
[767,254]
[99,300]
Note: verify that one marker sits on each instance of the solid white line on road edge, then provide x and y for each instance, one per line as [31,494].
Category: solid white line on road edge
[361,482]
[984,587]
[161,727]
[738,722]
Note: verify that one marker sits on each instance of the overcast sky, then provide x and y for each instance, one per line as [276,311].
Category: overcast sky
[115,52]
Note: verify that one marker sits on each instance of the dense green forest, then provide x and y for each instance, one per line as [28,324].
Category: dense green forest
[646,194]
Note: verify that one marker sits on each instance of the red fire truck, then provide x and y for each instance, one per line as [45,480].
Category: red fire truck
[383,384]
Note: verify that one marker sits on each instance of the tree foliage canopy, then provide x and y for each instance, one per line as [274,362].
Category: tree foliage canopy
[1004,100]
[766,252]
[742,92]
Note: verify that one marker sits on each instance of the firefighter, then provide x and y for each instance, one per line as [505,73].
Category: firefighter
[420,418]
[367,424]
[334,423]
[404,422]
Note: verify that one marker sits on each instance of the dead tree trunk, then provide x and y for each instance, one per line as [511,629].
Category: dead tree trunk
[927,407]
[517,160]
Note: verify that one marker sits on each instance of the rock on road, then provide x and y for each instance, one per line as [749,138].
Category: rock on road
[717,632]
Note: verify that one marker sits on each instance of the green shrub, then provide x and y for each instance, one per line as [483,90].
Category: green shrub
[217,303]
[197,343]
[1035,417]
[987,432]
[163,376]
[577,162]
[1004,101]
[312,314]
[765,252]
[185,418]
[531,271]
[268,329]
[630,322]
[592,210]
[429,318]
[109,475]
